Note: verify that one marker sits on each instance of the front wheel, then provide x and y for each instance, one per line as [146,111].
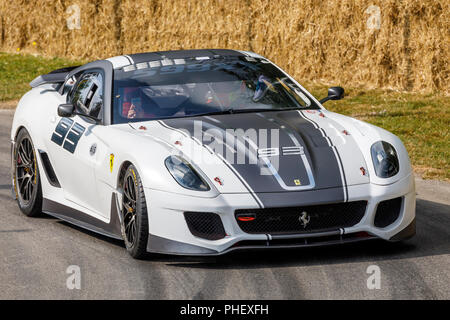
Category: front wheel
[27,184]
[134,214]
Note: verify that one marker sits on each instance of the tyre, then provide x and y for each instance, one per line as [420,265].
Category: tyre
[134,214]
[27,182]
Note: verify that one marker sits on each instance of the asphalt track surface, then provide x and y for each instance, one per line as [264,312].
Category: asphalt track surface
[36,252]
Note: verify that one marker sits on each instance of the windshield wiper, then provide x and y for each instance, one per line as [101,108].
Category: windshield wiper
[263,109]
[229,111]
[226,111]
[233,111]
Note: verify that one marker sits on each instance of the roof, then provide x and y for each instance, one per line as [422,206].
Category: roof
[124,60]
[182,54]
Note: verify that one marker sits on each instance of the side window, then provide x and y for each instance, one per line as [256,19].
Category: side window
[80,92]
[87,96]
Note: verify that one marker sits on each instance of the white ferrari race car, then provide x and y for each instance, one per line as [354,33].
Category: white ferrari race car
[201,152]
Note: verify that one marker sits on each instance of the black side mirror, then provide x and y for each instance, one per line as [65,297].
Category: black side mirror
[66,110]
[334,93]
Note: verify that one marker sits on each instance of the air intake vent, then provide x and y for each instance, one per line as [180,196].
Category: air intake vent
[49,172]
[388,212]
[206,225]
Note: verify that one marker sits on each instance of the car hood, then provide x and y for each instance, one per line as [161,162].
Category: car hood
[271,152]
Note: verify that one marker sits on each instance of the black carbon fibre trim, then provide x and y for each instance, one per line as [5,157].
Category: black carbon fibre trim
[158,244]
[83,220]
[407,233]
[55,76]
[162,245]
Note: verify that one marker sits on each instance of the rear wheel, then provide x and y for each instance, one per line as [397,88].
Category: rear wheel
[27,182]
[134,214]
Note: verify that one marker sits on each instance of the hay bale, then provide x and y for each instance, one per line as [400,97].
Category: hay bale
[327,41]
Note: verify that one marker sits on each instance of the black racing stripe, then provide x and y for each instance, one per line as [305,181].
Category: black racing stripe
[289,168]
[254,196]
[240,161]
[304,198]
[343,174]
[320,156]
[144,57]
[258,201]
[338,157]
[323,159]
[161,122]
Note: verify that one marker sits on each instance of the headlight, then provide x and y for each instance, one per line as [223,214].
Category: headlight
[384,158]
[184,174]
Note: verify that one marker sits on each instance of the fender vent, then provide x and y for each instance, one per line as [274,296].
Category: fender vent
[206,225]
[49,172]
[388,212]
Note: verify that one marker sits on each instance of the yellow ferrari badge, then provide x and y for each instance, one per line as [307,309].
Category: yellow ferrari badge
[297,182]
[111,162]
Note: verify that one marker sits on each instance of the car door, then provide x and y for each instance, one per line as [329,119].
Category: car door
[74,143]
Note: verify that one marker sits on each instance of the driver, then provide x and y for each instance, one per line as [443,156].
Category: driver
[137,109]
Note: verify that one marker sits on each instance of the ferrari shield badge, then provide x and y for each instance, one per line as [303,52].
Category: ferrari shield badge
[304,219]
[111,162]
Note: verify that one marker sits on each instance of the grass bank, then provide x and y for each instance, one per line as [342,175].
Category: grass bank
[17,70]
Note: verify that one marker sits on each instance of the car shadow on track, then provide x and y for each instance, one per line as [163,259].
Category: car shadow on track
[432,238]
[96,235]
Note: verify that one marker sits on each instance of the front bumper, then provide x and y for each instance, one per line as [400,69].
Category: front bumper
[170,234]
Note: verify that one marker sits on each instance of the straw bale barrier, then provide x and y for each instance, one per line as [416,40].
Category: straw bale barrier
[402,45]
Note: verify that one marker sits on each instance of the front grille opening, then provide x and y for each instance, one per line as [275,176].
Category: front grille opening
[206,225]
[302,219]
[388,212]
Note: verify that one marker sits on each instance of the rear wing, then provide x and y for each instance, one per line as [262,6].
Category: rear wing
[56,77]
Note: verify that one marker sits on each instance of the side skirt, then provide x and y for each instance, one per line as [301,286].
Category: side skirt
[83,220]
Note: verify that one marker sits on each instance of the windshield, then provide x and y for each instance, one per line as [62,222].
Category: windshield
[189,87]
